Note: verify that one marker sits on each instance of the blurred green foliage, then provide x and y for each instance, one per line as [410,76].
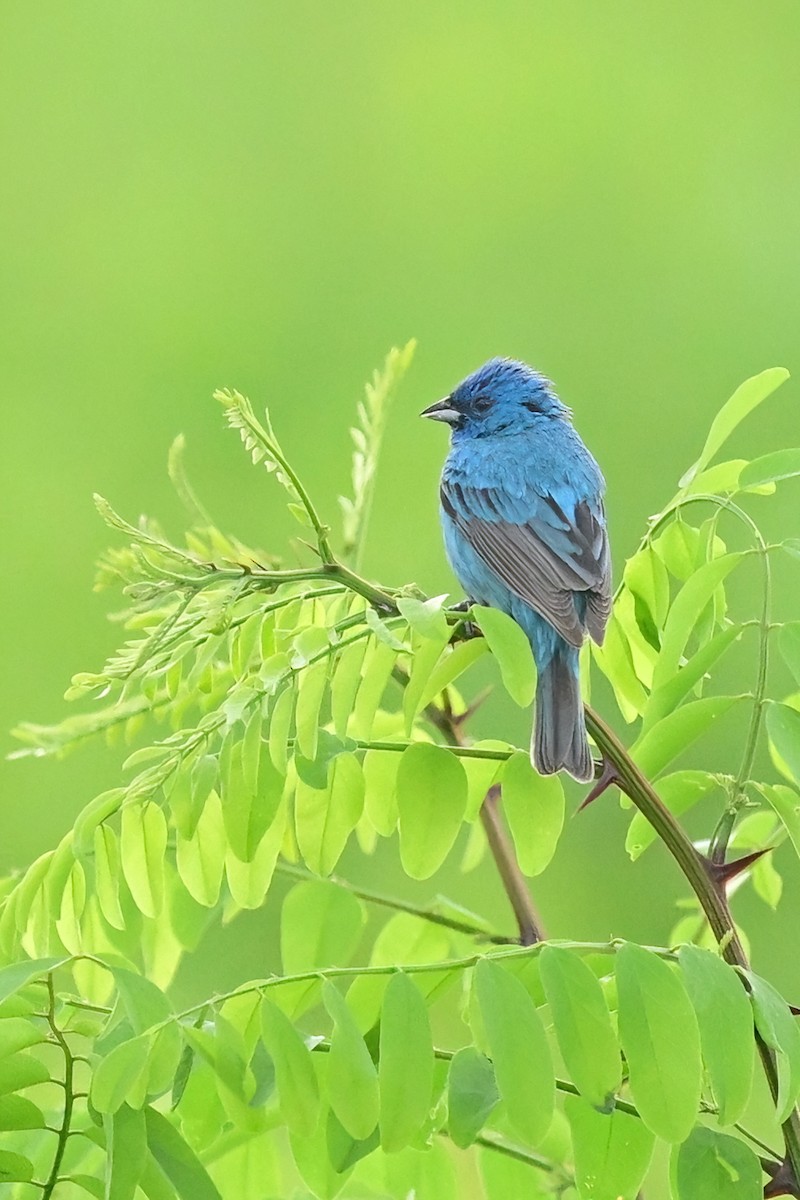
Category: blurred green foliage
[267,196]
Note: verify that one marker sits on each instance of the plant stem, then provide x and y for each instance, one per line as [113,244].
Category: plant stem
[709,892]
[634,784]
[69,1097]
[501,846]
[425,914]
[521,1155]
[461,751]
[721,836]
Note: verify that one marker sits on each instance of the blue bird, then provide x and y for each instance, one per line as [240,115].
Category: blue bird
[525,532]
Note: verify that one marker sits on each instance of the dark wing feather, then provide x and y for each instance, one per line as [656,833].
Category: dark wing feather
[545,560]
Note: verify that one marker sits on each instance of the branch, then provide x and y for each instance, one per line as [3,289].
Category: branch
[501,846]
[703,882]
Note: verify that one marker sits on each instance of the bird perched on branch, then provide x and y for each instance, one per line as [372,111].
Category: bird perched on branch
[525,532]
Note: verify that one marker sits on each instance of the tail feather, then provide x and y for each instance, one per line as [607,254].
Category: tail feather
[559,733]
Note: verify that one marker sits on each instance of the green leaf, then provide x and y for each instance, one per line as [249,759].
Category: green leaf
[506,1178]
[96,1187]
[646,577]
[431,801]
[250,806]
[661,1041]
[583,1026]
[14,1168]
[15,977]
[201,859]
[406,1063]
[17,1112]
[482,773]
[664,741]
[679,791]
[377,671]
[426,653]
[249,882]
[615,659]
[685,612]
[612,1151]
[126,1143]
[345,1151]
[312,683]
[325,819]
[224,1050]
[22,1071]
[452,665]
[747,397]
[98,810]
[770,468]
[16,1033]
[143,845]
[678,548]
[321,926]
[403,939]
[382,630]
[714,1166]
[313,1158]
[380,784]
[118,1073]
[726,1028]
[783,728]
[426,617]
[144,1003]
[345,683]
[669,695]
[472,1095]
[511,648]
[294,1071]
[177,1159]
[720,480]
[314,771]
[789,645]
[108,875]
[352,1079]
[519,1050]
[786,804]
[534,809]
[778,1028]
[279,726]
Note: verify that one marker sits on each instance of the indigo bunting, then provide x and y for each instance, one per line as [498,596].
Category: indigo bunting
[525,532]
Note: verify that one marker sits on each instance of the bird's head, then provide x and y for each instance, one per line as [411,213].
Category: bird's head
[502,396]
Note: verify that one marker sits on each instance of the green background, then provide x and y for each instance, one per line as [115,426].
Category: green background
[268,196]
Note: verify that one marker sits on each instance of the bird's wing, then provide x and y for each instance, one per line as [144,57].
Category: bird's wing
[545,558]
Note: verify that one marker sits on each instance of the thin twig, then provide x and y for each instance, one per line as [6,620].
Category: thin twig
[69,1096]
[414,910]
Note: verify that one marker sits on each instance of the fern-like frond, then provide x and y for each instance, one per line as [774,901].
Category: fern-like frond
[367,436]
[260,440]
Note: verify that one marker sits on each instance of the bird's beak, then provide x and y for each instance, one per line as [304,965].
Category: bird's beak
[442,410]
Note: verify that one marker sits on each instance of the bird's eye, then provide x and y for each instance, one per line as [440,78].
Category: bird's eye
[482,403]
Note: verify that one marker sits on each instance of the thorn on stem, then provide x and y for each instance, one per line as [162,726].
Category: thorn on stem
[472,708]
[608,776]
[783,1181]
[725,873]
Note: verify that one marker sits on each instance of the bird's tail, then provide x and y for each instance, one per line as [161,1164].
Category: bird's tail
[559,733]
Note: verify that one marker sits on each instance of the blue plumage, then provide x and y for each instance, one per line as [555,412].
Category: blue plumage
[525,532]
